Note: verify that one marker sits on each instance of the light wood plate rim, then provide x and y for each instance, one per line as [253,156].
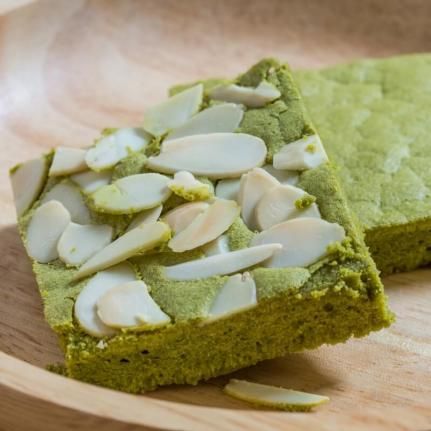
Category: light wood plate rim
[69,401]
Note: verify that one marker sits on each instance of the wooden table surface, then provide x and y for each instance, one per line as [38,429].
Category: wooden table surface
[69,68]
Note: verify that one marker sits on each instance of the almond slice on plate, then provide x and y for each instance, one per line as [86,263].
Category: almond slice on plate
[129,305]
[304,241]
[273,396]
[306,153]
[112,148]
[86,302]
[132,194]
[217,155]
[221,264]
[145,217]
[173,112]
[27,180]
[90,181]
[207,226]
[180,217]
[237,294]
[68,161]
[253,97]
[218,246]
[188,187]
[45,229]
[282,175]
[253,186]
[225,117]
[143,238]
[228,189]
[70,196]
[278,204]
[80,242]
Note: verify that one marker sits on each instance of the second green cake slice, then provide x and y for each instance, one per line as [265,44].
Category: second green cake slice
[374,117]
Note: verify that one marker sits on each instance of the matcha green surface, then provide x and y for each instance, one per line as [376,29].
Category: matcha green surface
[374,119]
[298,308]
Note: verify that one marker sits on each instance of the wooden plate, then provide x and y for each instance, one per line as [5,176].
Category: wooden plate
[69,68]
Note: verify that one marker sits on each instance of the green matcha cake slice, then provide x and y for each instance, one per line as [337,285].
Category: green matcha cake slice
[374,117]
[212,239]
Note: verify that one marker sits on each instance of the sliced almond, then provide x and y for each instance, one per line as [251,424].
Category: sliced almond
[306,153]
[180,217]
[97,286]
[225,117]
[304,240]
[254,97]
[278,205]
[188,187]
[112,148]
[27,181]
[218,246]
[70,196]
[273,396]
[237,294]
[218,155]
[143,238]
[145,217]
[173,112]
[253,186]
[80,242]
[282,175]
[132,194]
[45,229]
[68,161]
[207,226]
[90,181]
[221,264]
[228,189]
[129,305]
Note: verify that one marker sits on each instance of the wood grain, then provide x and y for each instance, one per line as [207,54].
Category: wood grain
[69,68]
[9,5]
